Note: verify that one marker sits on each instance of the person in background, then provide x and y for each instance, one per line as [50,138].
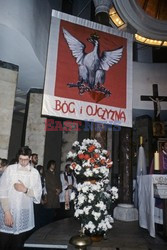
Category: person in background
[34,160]
[53,188]
[39,209]
[68,185]
[40,169]
[20,186]
[3,165]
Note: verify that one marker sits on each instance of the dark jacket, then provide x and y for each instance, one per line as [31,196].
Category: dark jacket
[53,187]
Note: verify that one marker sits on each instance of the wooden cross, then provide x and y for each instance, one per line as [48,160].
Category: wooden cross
[156,99]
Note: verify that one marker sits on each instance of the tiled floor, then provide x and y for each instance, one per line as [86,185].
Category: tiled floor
[123,236]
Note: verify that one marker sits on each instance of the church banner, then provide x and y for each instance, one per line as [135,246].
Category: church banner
[88,72]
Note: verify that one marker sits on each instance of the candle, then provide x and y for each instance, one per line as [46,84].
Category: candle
[156,161]
[141,140]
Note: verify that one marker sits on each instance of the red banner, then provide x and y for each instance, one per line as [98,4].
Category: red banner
[89,72]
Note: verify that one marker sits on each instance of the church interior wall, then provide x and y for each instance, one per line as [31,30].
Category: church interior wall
[35,27]
[16,136]
[144,76]
[8,79]
[35,132]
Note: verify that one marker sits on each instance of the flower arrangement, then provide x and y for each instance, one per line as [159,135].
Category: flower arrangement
[89,160]
[92,201]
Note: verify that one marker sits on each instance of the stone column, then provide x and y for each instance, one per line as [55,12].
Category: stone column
[35,125]
[8,80]
[125,211]
[102,10]
[125,165]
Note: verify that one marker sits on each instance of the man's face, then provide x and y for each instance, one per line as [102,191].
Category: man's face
[24,160]
[68,170]
[35,159]
[52,168]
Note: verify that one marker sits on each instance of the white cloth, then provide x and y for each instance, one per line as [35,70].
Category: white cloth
[148,214]
[65,185]
[20,204]
[141,162]
[141,170]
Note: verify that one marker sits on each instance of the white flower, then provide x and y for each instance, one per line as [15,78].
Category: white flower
[78,167]
[97,151]
[96,187]
[78,212]
[107,195]
[85,189]
[105,152]
[114,192]
[79,186]
[97,145]
[86,209]
[86,164]
[96,215]
[86,141]
[83,148]
[104,171]
[106,181]
[80,152]
[114,189]
[102,226]
[91,197]
[109,218]
[88,173]
[101,205]
[90,226]
[81,199]
[75,143]
[96,170]
[71,155]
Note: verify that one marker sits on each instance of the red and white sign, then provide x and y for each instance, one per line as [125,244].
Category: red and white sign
[89,72]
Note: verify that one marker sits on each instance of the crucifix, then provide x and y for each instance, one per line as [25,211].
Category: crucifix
[156,100]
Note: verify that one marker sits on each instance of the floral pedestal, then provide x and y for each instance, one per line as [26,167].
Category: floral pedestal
[92,201]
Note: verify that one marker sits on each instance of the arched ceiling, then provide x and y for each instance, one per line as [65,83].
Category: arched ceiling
[154,8]
[133,13]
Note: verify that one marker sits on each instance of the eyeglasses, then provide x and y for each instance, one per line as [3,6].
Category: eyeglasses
[24,159]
